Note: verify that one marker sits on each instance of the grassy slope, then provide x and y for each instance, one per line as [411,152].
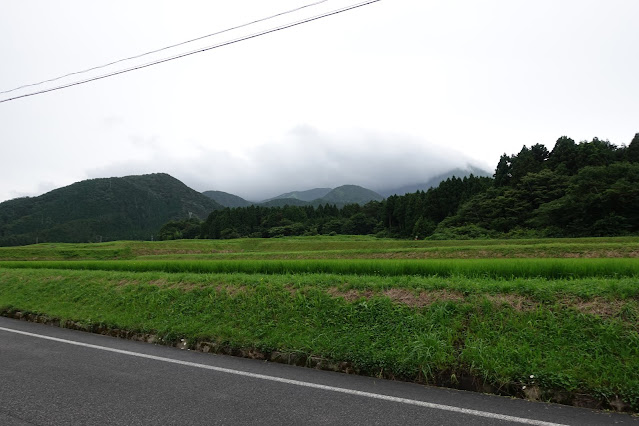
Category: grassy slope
[572,335]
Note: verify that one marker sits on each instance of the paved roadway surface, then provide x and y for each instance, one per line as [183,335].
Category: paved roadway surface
[75,378]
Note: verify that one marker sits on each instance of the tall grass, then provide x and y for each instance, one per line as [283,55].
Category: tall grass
[565,346]
[494,268]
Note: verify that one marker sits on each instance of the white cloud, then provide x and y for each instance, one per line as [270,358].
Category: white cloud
[304,158]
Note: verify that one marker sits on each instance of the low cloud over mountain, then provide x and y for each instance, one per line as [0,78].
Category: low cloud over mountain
[304,158]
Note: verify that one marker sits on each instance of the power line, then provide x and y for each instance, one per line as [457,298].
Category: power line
[164,48]
[226,43]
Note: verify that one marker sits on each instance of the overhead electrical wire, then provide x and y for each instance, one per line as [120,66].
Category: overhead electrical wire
[182,55]
[165,48]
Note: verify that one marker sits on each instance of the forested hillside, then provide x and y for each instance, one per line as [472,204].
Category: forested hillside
[350,194]
[340,196]
[399,216]
[227,200]
[308,195]
[434,182]
[132,207]
[589,188]
[585,189]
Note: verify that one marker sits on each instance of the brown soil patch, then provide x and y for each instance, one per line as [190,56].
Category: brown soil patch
[184,286]
[423,298]
[400,295]
[163,283]
[429,297]
[230,290]
[571,255]
[291,290]
[497,254]
[517,302]
[122,283]
[597,306]
[350,295]
[180,285]
[159,252]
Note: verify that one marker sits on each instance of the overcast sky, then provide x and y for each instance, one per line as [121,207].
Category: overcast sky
[384,95]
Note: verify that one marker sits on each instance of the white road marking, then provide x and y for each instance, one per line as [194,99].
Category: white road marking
[298,382]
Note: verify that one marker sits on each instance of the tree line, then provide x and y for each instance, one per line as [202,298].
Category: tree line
[589,188]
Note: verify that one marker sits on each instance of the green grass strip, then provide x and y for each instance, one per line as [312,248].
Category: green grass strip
[494,268]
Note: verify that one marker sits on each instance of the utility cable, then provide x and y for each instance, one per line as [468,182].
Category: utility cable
[167,47]
[226,43]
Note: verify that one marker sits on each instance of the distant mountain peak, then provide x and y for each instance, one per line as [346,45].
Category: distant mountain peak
[307,195]
[226,199]
[434,181]
[351,194]
[344,194]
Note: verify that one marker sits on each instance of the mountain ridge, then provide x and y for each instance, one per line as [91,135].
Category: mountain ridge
[351,194]
[307,197]
[103,209]
[434,181]
[340,196]
[136,206]
[227,199]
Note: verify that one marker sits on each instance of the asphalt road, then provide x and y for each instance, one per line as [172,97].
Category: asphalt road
[88,379]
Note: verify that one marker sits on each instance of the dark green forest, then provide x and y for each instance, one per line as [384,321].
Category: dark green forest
[131,207]
[581,189]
